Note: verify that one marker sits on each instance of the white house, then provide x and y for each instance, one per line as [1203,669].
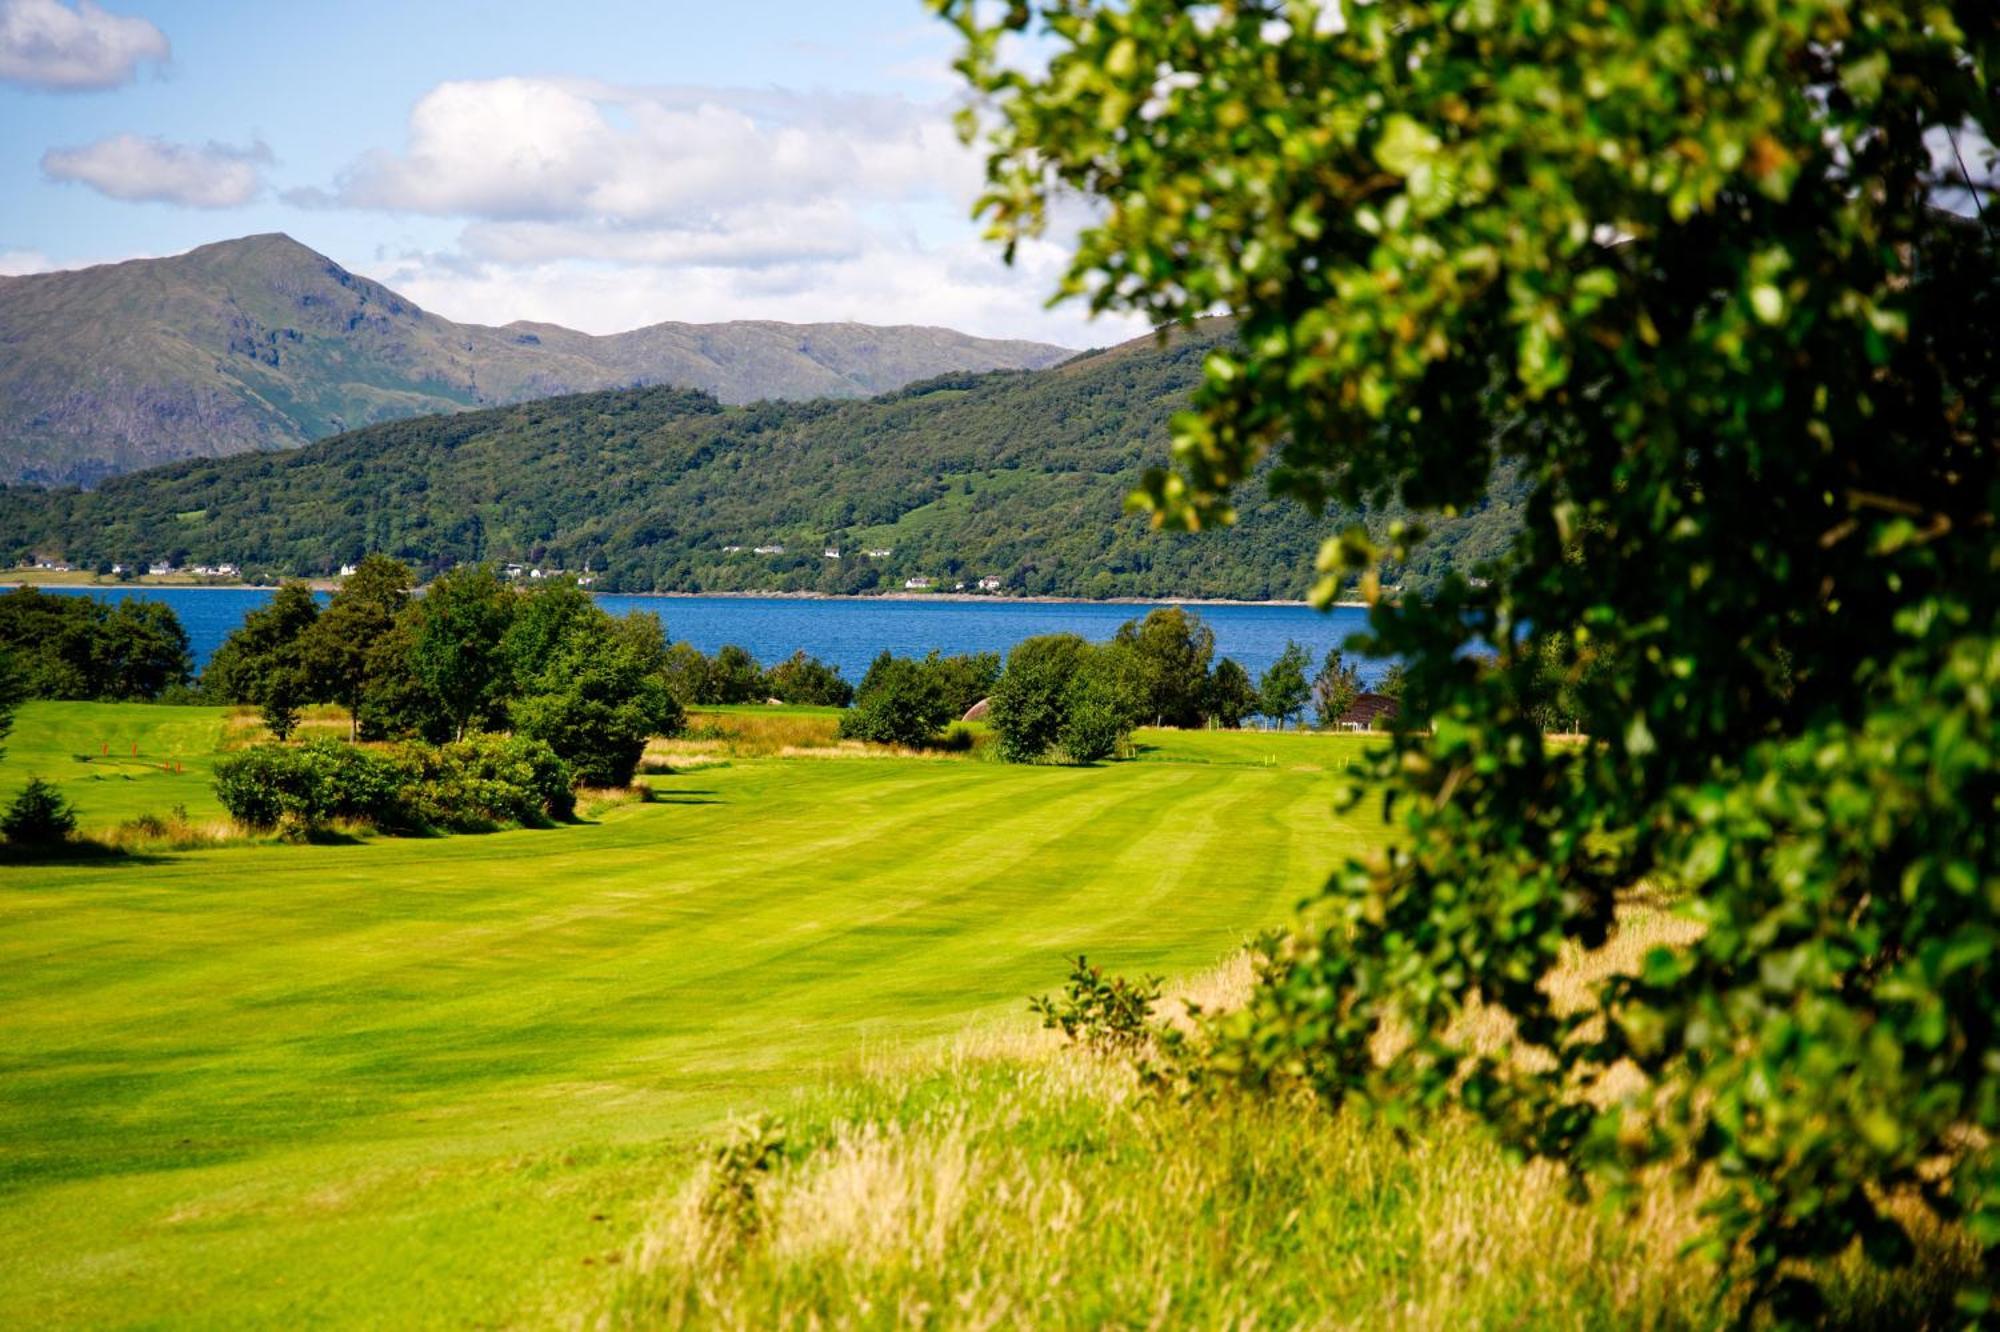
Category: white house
[881,554]
[916,584]
[989,584]
[831,552]
[768,550]
[347,571]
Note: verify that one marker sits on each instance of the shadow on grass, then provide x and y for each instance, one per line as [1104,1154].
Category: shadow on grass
[75,853]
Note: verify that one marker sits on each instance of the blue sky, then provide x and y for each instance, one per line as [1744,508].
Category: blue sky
[602,164]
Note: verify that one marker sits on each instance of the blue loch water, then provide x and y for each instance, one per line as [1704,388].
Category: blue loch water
[850,632]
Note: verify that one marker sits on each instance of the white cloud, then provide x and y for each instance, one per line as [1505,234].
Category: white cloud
[519,149]
[609,207]
[47,44]
[149,170]
[19,263]
[962,286]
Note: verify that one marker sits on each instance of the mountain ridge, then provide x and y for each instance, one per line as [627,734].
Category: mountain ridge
[262,343]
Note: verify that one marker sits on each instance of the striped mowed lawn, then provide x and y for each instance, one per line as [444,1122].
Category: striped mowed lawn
[444,1081]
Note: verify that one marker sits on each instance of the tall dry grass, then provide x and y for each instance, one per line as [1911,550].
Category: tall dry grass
[1016,1183]
[719,737]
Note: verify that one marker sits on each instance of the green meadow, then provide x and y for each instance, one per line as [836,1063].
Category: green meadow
[449,1081]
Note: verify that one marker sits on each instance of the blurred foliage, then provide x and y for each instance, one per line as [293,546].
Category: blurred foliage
[1677,269]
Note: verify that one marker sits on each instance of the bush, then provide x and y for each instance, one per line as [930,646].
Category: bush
[38,816]
[484,780]
[600,696]
[306,787]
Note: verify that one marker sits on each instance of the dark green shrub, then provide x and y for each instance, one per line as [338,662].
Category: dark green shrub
[258,786]
[38,817]
[486,780]
[303,788]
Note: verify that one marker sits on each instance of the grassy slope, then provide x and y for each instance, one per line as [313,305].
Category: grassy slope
[446,1081]
[67,743]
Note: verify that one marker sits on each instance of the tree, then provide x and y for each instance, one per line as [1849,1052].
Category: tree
[1334,690]
[901,703]
[269,643]
[1230,697]
[734,677]
[800,678]
[1171,649]
[1060,694]
[1283,689]
[284,694]
[1683,277]
[12,692]
[1029,703]
[965,678]
[340,651]
[38,817]
[80,647]
[457,652]
[599,694]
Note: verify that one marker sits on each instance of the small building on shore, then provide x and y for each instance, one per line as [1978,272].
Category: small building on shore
[1368,712]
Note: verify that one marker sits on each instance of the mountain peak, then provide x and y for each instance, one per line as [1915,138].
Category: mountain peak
[261,342]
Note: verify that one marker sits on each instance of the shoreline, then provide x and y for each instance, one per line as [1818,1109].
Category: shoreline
[333,585]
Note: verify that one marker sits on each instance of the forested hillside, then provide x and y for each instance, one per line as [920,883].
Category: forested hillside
[1019,476]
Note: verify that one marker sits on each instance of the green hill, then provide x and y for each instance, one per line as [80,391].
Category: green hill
[261,343]
[1019,476]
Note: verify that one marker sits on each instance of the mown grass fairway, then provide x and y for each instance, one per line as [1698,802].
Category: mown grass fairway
[115,761]
[444,1081]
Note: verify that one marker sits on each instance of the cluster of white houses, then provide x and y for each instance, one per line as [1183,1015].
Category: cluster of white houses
[518,571]
[916,584]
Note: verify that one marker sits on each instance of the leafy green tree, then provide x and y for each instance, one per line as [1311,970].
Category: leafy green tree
[1229,697]
[800,678]
[902,702]
[1171,649]
[1679,273]
[1334,689]
[457,650]
[734,677]
[140,651]
[686,672]
[599,694]
[81,647]
[544,617]
[1060,694]
[1390,683]
[38,817]
[1029,702]
[269,643]
[342,651]
[12,691]
[1283,690]
[284,694]
[965,678]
